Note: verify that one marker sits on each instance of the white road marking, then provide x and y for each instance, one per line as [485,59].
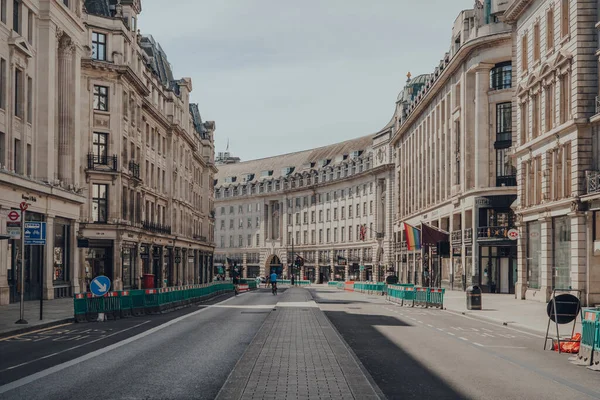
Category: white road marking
[478,344]
[420,322]
[431,326]
[481,320]
[463,338]
[450,333]
[49,371]
[508,347]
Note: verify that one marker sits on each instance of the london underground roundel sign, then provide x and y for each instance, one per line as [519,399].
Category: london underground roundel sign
[513,234]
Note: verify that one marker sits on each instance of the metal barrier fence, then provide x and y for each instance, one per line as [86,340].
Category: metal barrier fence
[421,296]
[289,282]
[589,347]
[332,283]
[127,303]
[369,288]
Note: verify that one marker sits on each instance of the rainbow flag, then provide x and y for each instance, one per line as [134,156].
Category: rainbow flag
[413,237]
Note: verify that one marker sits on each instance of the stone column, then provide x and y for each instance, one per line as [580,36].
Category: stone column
[74,260]
[482,134]
[48,260]
[4,263]
[117,281]
[547,261]
[521,285]
[139,266]
[65,103]
[578,251]
[244,266]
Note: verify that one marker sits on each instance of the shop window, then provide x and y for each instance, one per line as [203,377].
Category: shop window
[534,254]
[562,252]
[61,251]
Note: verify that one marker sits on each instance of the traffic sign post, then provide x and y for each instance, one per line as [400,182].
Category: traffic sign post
[100,286]
[13,224]
[23,206]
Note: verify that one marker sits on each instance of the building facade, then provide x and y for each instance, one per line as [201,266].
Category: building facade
[147,159]
[105,147]
[451,142]
[330,207]
[555,45]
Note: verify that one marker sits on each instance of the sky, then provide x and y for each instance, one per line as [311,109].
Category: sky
[279,76]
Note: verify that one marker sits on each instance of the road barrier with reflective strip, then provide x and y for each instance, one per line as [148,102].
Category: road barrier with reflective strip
[125,303]
[369,287]
[422,296]
[289,282]
[332,283]
[589,347]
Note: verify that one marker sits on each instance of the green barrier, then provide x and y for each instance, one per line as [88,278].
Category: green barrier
[589,346]
[332,283]
[436,297]
[340,285]
[421,297]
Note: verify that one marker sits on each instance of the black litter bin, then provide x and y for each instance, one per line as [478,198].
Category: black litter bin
[474,298]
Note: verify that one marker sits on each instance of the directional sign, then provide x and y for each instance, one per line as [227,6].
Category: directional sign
[513,234]
[35,233]
[100,285]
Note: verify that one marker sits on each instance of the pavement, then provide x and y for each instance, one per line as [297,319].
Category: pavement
[55,312]
[297,355]
[417,353]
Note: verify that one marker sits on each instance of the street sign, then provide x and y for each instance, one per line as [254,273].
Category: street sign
[35,233]
[513,234]
[100,285]
[23,206]
[14,216]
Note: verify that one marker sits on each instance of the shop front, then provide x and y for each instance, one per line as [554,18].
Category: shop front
[128,264]
[497,269]
[98,260]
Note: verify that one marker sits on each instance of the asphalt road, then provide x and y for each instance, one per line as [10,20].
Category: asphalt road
[416,353]
[180,355]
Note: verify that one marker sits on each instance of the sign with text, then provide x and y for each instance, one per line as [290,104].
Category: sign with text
[35,233]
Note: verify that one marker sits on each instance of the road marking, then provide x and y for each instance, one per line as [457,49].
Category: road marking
[49,371]
[420,322]
[72,348]
[450,333]
[431,326]
[478,344]
[507,347]
[241,306]
[463,338]
[32,332]
[481,320]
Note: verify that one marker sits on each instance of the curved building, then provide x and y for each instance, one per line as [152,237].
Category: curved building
[328,209]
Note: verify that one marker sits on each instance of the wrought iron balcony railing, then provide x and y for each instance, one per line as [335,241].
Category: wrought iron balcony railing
[468,235]
[597,104]
[456,236]
[102,162]
[134,168]
[156,228]
[508,180]
[592,179]
[493,232]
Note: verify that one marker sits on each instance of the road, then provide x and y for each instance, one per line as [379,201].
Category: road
[185,354]
[416,353]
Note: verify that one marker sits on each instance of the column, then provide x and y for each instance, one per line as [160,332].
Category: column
[139,266]
[521,285]
[117,282]
[482,141]
[244,266]
[547,260]
[65,90]
[48,260]
[74,264]
[578,252]
[4,289]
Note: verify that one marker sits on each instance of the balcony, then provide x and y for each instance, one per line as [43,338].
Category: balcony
[508,180]
[156,228]
[456,236]
[468,235]
[200,238]
[597,104]
[493,233]
[102,162]
[134,168]
[380,235]
[592,181]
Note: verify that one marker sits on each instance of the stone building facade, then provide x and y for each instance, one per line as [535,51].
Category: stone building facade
[89,115]
[330,206]
[451,142]
[555,45]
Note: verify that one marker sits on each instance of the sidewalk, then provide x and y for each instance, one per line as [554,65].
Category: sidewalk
[297,354]
[505,309]
[55,312]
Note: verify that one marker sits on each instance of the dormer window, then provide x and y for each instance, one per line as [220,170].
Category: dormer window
[323,162]
[356,153]
[98,46]
[230,179]
[266,173]
[287,170]
[247,177]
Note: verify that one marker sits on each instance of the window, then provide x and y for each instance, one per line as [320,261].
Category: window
[550,29]
[100,98]
[18,85]
[241,223]
[524,53]
[257,222]
[231,210]
[457,149]
[535,118]
[549,101]
[503,122]
[371,207]
[240,241]
[328,213]
[230,224]
[249,241]
[99,147]
[2,149]
[29,26]
[297,218]
[222,241]
[501,76]
[240,210]
[231,241]
[312,237]
[349,233]
[29,100]
[335,235]
[343,236]
[320,235]
[222,210]
[505,172]
[335,214]
[364,208]
[565,97]
[2,83]
[16,16]
[99,203]
[536,42]
[343,212]
[350,211]
[3,11]
[312,216]
[328,235]
[257,239]
[562,252]
[524,123]
[320,215]
[564,18]
[249,223]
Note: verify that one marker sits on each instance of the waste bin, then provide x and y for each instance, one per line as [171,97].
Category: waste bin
[474,298]
[148,281]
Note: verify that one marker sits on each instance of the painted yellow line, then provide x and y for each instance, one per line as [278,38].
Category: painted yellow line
[32,332]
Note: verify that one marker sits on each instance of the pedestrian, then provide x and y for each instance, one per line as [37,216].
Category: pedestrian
[293,280]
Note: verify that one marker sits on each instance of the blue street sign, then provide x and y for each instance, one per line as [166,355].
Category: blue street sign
[100,285]
[35,233]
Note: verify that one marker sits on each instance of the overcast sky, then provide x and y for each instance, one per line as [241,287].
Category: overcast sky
[280,76]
